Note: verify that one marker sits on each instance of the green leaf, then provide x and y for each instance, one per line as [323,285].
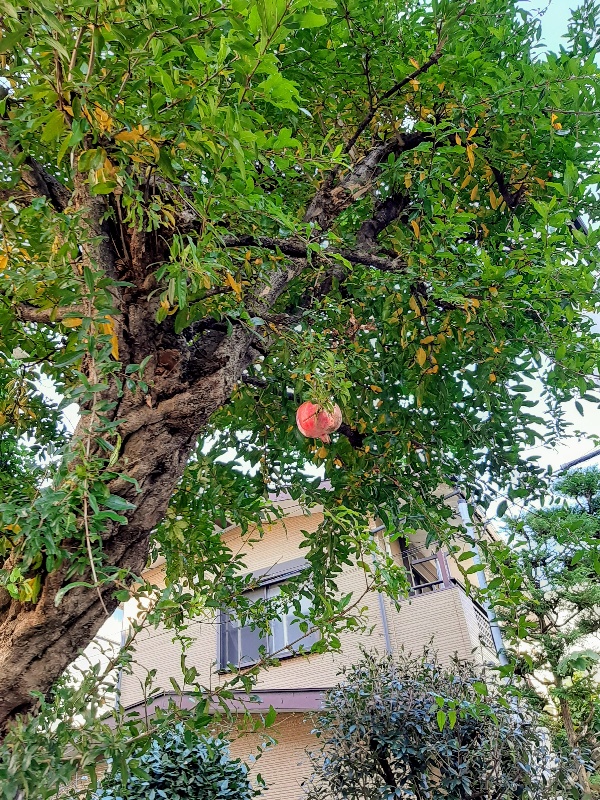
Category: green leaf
[104,187]
[312,20]
[53,128]
[441,719]
[9,40]
[117,503]
[270,717]
[62,591]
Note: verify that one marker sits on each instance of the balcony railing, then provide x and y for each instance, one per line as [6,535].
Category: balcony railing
[429,572]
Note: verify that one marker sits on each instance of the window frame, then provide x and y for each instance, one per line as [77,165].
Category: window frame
[266,578]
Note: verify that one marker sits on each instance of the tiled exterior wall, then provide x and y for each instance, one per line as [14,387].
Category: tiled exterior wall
[286,765]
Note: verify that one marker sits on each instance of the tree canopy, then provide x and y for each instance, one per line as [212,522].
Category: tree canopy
[210,213]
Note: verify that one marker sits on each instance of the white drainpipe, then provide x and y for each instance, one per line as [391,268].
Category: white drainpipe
[382,611]
[494,627]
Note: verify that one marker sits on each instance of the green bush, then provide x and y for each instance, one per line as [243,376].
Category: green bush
[404,727]
[180,765]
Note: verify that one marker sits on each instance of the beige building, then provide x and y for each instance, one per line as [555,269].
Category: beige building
[438,609]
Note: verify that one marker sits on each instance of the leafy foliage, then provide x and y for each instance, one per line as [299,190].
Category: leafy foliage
[210,214]
[415,728]
[181,765]
[546,593]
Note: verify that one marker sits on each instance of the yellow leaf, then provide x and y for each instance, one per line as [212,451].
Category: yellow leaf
[475,193]
[541,182]
[154,147]
[472,132]
[3,262]
[556,125]
[376,389]
[14,527]
[458,140]
[471,155]
[105,121]
[322,452]
[428,340]
[474,302]
[441,86]
[408,180]
[494,201]
[466,181]
[237,288]
[72,322]
[108,328]
[421,356]
[416,228]
[133,135]
[493,291]
[415,306]
[432,370]
[486,230]
[414,63]
[492,377]
[415,84]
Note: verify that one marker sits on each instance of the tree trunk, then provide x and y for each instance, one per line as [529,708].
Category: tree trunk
[567,720]
[190,376]
[38,641]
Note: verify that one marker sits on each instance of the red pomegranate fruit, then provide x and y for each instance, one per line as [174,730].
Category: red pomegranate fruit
[316,422]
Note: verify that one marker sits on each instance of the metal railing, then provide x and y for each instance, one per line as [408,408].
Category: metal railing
[427,572]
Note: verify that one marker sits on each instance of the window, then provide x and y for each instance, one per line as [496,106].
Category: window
[241,645]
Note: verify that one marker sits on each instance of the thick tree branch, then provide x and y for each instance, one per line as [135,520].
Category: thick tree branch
[48,316]
[355,438]
[298,249]
[39,182]
[512,199]
[329,202]
[384,214]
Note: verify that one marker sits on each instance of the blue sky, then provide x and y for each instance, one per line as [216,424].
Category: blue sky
[554,24]
[555,18]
